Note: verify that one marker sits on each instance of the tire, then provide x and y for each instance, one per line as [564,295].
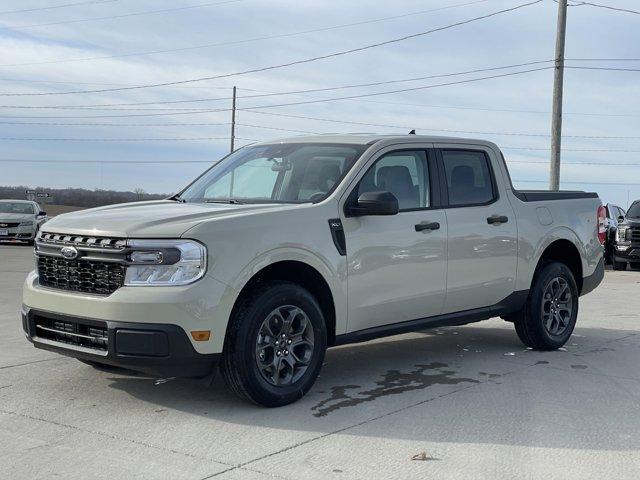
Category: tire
[634,266]
[619,265]
[535,323]
[250,356]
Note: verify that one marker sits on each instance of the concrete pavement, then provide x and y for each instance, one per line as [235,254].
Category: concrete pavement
[463,402]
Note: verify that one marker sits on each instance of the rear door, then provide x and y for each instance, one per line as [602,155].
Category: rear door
[482,231]
[396,264]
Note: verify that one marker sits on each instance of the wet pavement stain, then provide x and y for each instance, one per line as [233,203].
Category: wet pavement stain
[393,382]
[542,362]
[601,349]
[579,367]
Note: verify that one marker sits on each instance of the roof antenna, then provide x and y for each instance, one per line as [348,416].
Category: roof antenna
[412,132]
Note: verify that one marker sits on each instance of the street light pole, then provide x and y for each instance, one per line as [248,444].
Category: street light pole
[558,80]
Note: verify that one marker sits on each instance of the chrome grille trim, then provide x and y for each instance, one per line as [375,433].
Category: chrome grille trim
[83,241]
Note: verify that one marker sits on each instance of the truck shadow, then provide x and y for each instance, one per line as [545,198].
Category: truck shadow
[503,382]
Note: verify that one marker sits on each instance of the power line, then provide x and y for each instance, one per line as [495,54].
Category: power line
[89,124]
[346,122]
[603,150]
[26,10]
[272,94]
[600,164]
[193,139]
[134,14]
[586,182]
[306,102]
[612,69]
[288,64]
[170,162]
[200,111]
[248,40]
[294,92]
[608,7]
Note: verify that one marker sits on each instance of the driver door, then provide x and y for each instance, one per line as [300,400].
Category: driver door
[396,266]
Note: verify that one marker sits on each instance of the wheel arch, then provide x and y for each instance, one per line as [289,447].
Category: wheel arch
[303,273]
[564,251]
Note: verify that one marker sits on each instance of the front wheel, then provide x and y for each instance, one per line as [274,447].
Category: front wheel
[549,317]
[635,266]
[275,344]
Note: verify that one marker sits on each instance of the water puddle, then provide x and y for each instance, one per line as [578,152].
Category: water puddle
[393,382]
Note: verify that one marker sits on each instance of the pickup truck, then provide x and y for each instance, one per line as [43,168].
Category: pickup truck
[627,239]
[283,249]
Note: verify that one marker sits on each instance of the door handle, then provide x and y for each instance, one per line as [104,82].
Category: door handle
[427,226]
[497,219]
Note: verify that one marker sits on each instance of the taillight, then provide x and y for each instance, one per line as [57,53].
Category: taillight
[602,230]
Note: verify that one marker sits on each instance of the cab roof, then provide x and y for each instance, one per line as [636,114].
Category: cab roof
[371,139]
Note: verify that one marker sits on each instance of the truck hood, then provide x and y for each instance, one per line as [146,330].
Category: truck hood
[158,219]
[16,217]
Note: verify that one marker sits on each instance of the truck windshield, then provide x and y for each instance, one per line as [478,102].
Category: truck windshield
[17,207]
[279,173]
[634,210]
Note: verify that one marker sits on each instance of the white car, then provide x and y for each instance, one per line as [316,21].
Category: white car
[20,220]
[285,248]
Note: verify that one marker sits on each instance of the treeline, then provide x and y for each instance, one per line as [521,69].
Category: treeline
[80,197]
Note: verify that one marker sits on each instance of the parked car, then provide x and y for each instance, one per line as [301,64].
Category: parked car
[20,220]
[285,248]
[627,240]
[614,213]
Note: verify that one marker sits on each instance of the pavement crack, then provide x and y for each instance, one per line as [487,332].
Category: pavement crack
[30,363]
[113,437]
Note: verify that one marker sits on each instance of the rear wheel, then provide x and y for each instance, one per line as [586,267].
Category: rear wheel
[549,316]
[619,265]
[635,266]
[275,345]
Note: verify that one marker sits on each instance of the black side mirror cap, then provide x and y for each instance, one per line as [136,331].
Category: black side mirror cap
[375,203]
[620,219]
[42,214]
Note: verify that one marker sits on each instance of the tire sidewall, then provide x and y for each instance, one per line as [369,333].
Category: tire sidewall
[547,273]
[258,388]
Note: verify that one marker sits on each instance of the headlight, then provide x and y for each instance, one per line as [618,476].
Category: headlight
[165,262]
[621,234]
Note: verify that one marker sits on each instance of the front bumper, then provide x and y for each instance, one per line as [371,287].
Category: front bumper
[156,349]
[627,252]
[22,233]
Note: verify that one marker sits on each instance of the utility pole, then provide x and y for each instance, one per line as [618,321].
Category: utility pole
[233,120]
[558,79]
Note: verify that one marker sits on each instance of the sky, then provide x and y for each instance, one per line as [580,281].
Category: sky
[59,139]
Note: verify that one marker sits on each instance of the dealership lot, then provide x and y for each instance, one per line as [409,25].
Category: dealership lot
[459,402]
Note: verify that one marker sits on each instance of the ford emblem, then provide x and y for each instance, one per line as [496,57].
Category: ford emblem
[69,253]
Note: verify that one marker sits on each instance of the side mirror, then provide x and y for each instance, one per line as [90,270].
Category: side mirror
[620,219]
[375,203]
[42,214]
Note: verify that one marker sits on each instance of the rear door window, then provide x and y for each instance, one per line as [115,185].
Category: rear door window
[468,176]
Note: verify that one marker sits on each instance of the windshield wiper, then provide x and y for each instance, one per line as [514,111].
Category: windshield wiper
[231,201]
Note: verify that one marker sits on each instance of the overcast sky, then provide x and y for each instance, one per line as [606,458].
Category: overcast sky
[55,50]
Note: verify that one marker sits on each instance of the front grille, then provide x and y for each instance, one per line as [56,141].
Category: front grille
[9,225]
[634,234]
[72,333]
[102,278]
